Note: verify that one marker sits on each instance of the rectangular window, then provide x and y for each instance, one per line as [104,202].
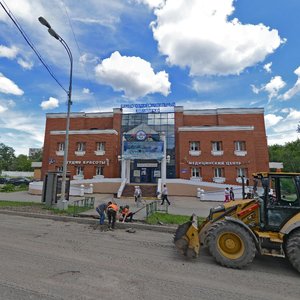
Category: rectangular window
[60,146]
[194,146]
[80,146]
[79,170]
[99,170]
[240,146]
[195,172]
[59,169]
[240,172]
[100,146]
[219,172]
[217,146]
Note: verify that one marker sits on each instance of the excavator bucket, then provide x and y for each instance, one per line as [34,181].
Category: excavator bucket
[186,238]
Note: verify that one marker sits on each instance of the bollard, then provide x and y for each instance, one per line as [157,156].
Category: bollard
[198,193]
[82,190]
[91,189]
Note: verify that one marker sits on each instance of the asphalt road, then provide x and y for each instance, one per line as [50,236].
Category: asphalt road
[45,259]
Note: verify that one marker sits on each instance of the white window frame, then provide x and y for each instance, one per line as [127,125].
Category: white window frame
[219,175]
[99,170]
[80,148]
[60,149]
[217,148]
[59,168]
[194,148]
[240,148]
[241,172]
[100,148]
[79,170]
[196,173]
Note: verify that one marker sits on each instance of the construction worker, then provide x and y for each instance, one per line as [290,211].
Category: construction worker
[126,215]
[112,209]
[101,208]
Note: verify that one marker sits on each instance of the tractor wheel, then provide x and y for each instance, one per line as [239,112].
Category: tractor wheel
[208,236]
[231,245]
[293,249]
[180,242]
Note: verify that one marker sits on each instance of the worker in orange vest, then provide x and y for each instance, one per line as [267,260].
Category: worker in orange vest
[112,209]
[126,215]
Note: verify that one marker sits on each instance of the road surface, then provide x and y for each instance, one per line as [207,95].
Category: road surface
[45,259]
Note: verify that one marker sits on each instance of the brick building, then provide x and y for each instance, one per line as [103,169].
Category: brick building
[214,145]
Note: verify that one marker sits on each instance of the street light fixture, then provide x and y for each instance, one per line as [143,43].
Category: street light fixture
[64,202]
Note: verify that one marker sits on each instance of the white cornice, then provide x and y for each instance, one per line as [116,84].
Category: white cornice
[80,115]
[96,131]
[216,128]
[224,111]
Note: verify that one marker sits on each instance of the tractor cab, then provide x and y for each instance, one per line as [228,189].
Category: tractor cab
[279,197]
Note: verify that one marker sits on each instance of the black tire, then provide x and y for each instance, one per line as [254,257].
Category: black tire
[293,249]
[209,237]
[231,245]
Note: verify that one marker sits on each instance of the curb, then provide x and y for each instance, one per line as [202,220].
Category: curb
[91,221]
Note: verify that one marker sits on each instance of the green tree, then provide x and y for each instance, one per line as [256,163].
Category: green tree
[288,154]
[38,156]
[7,156]
[22,163]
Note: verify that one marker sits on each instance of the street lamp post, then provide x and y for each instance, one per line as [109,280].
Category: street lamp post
[64,202]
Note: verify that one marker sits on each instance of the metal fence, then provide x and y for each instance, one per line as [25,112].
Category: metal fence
[155,206]
[86,202]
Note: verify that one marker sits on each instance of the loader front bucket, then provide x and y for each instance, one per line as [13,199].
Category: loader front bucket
[186,238]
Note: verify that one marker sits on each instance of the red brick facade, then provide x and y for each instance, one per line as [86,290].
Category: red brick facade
[227,127]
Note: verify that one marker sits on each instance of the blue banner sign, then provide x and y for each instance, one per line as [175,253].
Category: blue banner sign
[143,150]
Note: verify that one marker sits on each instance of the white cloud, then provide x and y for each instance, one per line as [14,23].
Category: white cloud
[271,120]
[132,75]
[2,109]
[282,129]
[295,89]
[9,87]
[272,87]
[7,52]
[201,37]
[86,91]
[152,3]
[50,104]
[27,65]
[204,86]
[267,67]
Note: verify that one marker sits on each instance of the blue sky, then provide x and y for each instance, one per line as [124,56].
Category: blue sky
[196,53]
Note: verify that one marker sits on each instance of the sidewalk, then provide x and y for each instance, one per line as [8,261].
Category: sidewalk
[179,205]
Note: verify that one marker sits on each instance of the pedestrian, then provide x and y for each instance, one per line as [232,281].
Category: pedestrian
[126,214]
[101,208]
[137,195]
[227,195]
[112,209]
[231,194]
[164,195]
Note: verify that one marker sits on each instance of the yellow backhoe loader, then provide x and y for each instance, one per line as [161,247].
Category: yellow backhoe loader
[269,224]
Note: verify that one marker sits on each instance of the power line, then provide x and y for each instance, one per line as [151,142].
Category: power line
[31,45]
[76,42]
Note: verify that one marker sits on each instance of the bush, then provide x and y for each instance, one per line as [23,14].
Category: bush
[8,188]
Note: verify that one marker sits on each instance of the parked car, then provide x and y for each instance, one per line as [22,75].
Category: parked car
[18,181]
[3,180]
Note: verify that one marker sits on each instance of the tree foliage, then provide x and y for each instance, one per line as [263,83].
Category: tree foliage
[288,154]
[7,156]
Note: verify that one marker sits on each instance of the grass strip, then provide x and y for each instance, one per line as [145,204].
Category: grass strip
[169,219]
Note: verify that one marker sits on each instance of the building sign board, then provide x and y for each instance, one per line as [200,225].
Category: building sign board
[214,163]
[148,107]
[146,165]
[89,162]
[143,150]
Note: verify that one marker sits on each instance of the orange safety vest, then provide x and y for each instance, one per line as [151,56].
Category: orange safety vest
[113,206]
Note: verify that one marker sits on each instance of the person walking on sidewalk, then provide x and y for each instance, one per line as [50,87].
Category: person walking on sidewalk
[226,195]
[231,194]
[164,195]
[101,208]
[112,210]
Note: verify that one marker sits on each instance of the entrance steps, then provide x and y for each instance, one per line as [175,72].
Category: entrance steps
[148,190]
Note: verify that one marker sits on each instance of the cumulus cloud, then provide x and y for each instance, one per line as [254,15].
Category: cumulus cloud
[204,86]
[27,65]
[152,3]
[282,129]
[7,52]
[200,36]
[2,108]
[295,89]
[7,86]
[50,104]
[272,88]
[267,67]
[86,91]
[132,75]
[271,120]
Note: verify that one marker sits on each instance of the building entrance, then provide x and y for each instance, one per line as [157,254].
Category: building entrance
[145,171]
